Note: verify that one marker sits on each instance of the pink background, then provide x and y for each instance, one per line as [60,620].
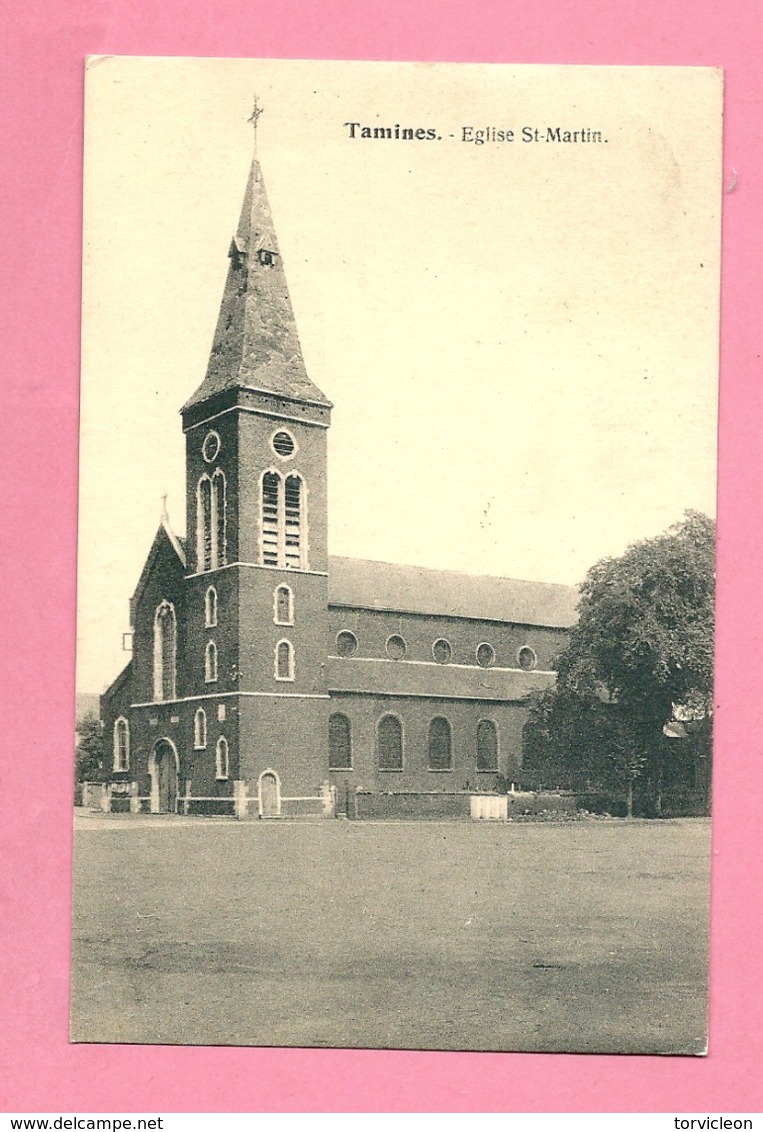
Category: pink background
[42,48]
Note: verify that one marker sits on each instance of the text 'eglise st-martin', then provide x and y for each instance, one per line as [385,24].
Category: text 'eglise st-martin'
[477,135]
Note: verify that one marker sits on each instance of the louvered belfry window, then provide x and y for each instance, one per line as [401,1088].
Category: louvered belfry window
[293,522]
[283,521]
[271,483]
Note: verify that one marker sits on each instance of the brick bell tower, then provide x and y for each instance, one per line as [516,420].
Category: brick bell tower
[256,521]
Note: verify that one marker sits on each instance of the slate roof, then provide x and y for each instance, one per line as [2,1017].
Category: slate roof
[115,685]
[164,535]
[256,344]
[363,584]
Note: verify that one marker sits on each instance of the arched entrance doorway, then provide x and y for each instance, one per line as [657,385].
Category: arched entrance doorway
[270,794]
[163,767]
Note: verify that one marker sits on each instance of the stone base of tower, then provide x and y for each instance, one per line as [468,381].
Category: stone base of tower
[262,800]
[282,759]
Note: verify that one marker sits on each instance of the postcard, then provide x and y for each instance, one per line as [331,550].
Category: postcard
[396,558]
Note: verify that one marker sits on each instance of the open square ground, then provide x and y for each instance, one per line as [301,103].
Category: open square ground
[584,936]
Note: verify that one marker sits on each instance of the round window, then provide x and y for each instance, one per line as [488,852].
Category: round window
[211,447]
[346,643]
[485,655]
[527,658]
[283,444]
[441,651]
[396,647]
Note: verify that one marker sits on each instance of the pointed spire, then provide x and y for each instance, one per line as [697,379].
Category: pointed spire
[256,344]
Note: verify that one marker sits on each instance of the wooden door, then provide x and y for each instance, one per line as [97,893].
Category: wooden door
[166,771]
[269,799]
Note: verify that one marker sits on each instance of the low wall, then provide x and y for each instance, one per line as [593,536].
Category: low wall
[462,804]
[91,795]
[298,807]
[410,805]
[212,807]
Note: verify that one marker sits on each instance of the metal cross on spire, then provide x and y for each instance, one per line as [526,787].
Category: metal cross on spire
[254,117]
[164,516]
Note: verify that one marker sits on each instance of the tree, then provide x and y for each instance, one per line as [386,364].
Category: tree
[565,738]
[90,754]
[626,762]
[643,647]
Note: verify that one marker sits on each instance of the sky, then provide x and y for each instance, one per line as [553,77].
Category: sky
[520,339]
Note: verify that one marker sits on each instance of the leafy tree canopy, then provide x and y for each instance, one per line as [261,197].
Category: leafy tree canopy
[89,761]
[645,631]
[641,652]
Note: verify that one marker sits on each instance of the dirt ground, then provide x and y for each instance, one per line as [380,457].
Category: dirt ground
[586,936]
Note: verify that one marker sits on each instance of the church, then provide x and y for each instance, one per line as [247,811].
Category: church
[270,679]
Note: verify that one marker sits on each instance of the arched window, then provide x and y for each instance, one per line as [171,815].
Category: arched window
[221,758]
[219,555]
[204,524]
[210,608]
[283,521]
[210,522]
[165,651]
[121,744]
[284,661]
[271,491]
[293,522]
[487,745]
[200,729]
[210,663]
[340,742]
[440,755]
[389,741]
[283,606]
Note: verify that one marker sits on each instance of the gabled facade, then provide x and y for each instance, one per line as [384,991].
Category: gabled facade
[265,673]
